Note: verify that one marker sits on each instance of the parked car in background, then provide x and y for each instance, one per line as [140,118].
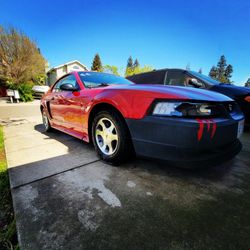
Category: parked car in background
[171,123]
[188,78]
[39,90]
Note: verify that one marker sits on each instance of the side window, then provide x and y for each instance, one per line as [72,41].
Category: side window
[154,77]
[56,88]
[175,78]
[68,79]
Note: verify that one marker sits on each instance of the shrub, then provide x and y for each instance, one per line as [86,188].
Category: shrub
[24,89]
[26,92]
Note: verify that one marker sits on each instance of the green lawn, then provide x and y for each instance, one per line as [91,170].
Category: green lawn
[8,239]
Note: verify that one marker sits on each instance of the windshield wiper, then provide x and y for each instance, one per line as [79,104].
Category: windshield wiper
[98,85]
[102,85]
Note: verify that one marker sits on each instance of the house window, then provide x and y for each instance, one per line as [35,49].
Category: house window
[75,67]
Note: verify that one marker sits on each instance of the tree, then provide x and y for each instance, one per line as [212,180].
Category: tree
[200,71]
[97,64]
[222,72]
[136,63]
[213,72]
[221,66]
[111,69]
[228,72]
[247,84]
[130,62]
[21,60]
[129,67]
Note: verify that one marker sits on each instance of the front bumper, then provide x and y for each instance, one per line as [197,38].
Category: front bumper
[187,143]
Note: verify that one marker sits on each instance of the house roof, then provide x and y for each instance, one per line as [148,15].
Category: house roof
[67,63]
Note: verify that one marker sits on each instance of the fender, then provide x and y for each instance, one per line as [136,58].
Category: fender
[122,100]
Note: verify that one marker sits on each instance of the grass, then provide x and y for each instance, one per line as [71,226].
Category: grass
[8,238]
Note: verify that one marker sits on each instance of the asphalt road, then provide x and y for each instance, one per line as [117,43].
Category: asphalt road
[17,110]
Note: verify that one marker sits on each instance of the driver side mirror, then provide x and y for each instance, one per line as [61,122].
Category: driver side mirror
[68,87]
[194,82]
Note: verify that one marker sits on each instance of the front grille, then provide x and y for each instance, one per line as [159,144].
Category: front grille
[231,108]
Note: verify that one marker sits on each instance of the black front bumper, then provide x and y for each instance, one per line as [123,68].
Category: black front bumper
[180,141]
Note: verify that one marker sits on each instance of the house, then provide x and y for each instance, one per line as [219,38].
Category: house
[56,72]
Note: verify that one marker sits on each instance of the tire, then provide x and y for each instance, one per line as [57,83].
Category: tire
[111,137]
[46,123]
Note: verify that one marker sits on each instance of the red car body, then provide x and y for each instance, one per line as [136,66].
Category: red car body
[73,111]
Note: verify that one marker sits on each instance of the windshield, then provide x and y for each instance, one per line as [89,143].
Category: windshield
[204,78]
[96,79]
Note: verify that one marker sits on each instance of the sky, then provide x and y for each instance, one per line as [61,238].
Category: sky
[162,34]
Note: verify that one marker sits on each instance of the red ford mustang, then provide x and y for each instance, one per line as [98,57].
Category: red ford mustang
[176,124]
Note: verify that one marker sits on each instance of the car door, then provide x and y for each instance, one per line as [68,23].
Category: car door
[72,105]
[68,106]
[54,102]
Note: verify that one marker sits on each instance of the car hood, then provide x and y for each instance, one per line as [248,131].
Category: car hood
[170,92]
[231,90]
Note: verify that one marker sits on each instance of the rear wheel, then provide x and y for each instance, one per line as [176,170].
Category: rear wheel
[46,122]
[111,137]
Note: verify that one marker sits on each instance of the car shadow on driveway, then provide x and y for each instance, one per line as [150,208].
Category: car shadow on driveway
[50,154]
[58,152]
[78,148]
[214,172]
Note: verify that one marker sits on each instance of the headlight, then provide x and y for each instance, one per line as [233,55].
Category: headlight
[184,109]
[167,108]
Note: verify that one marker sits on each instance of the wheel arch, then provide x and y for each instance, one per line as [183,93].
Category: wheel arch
[41,108]
[102,107]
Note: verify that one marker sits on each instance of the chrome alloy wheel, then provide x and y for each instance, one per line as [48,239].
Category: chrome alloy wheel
[106,136]
[45,121]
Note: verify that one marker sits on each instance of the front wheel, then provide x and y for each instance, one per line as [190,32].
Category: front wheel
[46,122]
[111,137]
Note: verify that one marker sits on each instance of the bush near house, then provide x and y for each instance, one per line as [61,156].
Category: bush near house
[26,92]
[24,89]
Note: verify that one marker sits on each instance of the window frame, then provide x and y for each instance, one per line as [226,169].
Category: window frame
[175,71]
[56,90]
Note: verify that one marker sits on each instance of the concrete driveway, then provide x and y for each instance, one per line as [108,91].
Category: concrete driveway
[66,198]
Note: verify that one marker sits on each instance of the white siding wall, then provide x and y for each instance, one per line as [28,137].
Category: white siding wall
[59,72]
[71,67]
